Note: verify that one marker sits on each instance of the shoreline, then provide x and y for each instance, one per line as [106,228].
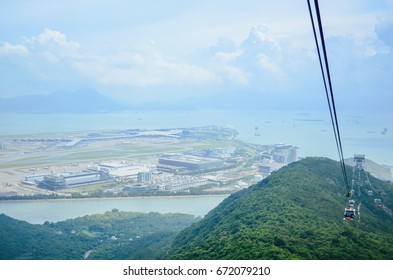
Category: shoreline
[113,198]
[39,212]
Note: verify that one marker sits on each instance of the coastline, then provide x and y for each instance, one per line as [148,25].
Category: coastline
[51,210]
[114,198]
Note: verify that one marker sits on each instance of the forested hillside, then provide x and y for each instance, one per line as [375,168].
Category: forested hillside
[113,235]
[21,240]
[295,213]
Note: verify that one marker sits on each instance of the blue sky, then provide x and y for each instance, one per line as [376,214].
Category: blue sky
[154,51]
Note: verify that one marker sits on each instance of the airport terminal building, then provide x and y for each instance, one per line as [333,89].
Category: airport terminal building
[67,180]
[189,163]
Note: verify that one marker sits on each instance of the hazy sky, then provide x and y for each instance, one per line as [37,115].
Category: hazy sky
[141,51]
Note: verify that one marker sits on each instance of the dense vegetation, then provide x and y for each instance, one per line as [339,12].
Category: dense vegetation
[113,235]
[296,213]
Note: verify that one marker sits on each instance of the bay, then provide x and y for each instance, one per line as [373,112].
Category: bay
[311,131]
[361,133]
[39,211]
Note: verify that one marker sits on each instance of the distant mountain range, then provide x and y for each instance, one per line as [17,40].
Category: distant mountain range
[81,101]
[91,101]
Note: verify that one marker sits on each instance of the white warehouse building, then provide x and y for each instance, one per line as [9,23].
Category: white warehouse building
[122,171]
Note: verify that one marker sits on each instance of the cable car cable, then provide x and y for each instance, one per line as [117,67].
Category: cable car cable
[324,78]
[331,91]
[330,97]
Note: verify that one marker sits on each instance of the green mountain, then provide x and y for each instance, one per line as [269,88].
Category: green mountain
[21,240]
[295,213]
[113,235]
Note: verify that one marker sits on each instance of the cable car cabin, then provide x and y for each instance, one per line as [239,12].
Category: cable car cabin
[351,203]
[378,202]
[349,214]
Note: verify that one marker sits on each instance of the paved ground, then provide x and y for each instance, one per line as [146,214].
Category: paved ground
[23,158]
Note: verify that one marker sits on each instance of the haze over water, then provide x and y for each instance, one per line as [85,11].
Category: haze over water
[243,54]
[309,130]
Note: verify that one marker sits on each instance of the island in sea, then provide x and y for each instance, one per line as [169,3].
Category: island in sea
[135,162]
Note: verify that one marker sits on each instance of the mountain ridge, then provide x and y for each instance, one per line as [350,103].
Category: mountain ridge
[80,101]
[112,235]
[295,213]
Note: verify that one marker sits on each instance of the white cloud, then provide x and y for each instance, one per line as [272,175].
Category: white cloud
[143,68]
[9,49]
[254,56]
[48,56]
[258,54]
[260,40]
[235,74]
[267,64]
[226,57]
[384,30]
[55,42]
[178,73]
[136,69]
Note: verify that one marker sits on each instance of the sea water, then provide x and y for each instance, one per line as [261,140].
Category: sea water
[39,211]
[310,131]
[361,133]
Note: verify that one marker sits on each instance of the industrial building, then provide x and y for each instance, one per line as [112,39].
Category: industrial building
[189,163]
[219,152]
[144,177]
[281,153]
[122,171]
[68,180]
[181,182]
[285,153]
[141,188]
[171,169]
[276,157]
[33,180]
[94,174]
[185,185]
